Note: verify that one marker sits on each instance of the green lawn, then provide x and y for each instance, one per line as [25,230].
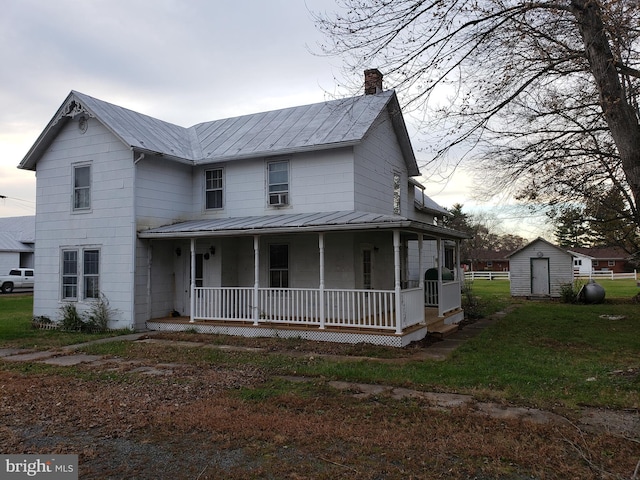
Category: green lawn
[545,354]
[16,327]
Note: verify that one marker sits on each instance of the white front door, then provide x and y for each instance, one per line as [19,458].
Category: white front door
[540,276]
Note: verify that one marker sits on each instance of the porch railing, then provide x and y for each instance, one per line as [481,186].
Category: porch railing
[450,298]
[373,309]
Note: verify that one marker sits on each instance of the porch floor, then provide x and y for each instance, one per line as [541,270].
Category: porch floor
[341,334]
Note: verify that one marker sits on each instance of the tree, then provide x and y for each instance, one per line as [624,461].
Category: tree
[483,231]
[609,222]
[546,91]
[571,226]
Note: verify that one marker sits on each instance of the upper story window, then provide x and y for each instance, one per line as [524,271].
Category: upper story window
[82,187]
[396,194]
[213,188]
[278,183]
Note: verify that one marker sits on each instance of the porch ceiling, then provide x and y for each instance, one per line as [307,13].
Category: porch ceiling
[296,223]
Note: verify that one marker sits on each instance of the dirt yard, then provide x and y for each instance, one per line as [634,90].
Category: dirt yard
[154,420]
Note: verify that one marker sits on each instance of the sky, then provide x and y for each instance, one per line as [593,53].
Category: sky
[181,61]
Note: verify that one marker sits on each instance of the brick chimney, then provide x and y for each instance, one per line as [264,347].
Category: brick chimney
[372,81]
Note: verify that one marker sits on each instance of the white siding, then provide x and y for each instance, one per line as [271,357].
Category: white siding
[108,225]
[377,158]
[164,192]
[318,181]
[9,260]
[560,268]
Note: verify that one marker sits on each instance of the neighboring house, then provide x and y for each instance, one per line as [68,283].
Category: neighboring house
[491,261]
[540,269]
[600,259]
[300,222]
[17,238]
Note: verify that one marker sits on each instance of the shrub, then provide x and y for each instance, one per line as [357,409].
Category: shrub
[99,315]
[471,304]
[569,291]
[71,320]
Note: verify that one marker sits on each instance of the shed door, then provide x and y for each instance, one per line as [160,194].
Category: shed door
[540,276]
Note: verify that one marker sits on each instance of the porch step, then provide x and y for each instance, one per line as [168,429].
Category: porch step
[439,329]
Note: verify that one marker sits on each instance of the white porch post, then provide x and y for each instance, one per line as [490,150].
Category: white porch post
[192,287]
[420,260]
[459,272]
[440,264]
[256,279]
[396,268]
[321,294]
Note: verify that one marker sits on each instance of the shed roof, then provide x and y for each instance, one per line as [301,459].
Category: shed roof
[318,126]
[538,240]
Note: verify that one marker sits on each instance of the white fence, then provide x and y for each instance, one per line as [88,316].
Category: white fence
[607,274]
[595,274]
[486,275]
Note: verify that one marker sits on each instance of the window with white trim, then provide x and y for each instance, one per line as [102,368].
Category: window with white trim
[82,187]
[70,274]
[611,263]
[279,266]
[80,266]
[278,183]
[213,188]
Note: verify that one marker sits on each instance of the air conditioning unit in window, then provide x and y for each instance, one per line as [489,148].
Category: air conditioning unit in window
[278,199]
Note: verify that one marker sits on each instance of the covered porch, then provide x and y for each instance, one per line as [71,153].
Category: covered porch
[390,304]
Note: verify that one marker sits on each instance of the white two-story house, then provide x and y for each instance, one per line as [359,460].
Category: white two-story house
[303,222]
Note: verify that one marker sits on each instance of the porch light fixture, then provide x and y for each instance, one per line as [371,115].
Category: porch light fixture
[178,251]
[212,249]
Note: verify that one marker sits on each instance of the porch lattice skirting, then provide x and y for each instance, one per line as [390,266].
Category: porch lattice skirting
[416,333]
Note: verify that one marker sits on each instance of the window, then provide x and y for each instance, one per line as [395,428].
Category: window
[279,266]
[396,194]
[82,187]
[278,183]
[577,262]
[70,274]
[76,272]
[367,269]
[91,273]
[611,263]
[213,188]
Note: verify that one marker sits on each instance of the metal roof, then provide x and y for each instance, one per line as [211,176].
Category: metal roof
[17,234]
[295,223]
[318,126]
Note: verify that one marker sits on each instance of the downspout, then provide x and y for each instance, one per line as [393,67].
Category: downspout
[396,268]
[192,287]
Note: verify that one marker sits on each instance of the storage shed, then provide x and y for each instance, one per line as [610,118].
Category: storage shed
[539,269]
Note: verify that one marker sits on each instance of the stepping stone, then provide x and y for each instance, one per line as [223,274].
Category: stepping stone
[6,352]
[70,360]
[30,357]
